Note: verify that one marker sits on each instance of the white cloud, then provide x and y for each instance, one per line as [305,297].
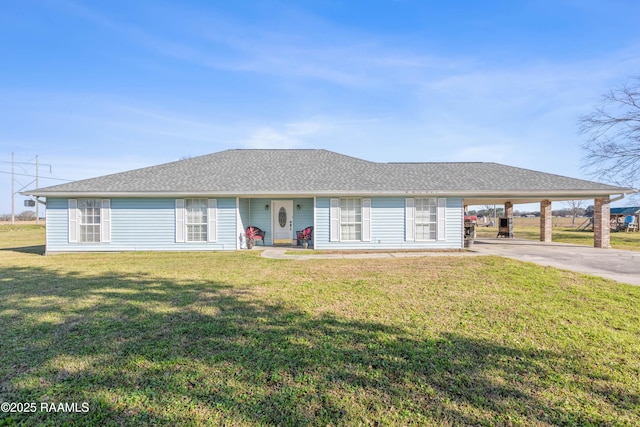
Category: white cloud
[289,135]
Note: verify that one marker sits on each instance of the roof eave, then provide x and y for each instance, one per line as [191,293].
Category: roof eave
[537,194]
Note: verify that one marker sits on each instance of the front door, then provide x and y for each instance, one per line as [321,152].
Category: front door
[282,222]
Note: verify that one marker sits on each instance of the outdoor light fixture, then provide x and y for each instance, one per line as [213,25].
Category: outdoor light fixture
[266,207]
[298,206]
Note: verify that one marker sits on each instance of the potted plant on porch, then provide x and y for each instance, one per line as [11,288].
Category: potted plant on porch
[305,236]
[250,234]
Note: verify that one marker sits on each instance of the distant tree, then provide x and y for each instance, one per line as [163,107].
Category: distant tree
[612,148]
[576,207]
[489,210]
[27,216]
[589,211]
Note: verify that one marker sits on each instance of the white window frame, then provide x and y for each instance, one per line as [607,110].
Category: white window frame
[189,221]
[351,216]
[337,218]
[412,219]
[210,221]
[426,214]
[84,214]
[77,220]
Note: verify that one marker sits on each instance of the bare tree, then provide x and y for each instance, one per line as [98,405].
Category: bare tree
[489,209]
[612,148]
[576,208]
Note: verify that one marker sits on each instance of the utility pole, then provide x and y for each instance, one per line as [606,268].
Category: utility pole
[37,203]
[26,168]
[13,194]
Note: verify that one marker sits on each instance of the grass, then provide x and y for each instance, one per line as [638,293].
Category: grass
[564,232]
[235,339]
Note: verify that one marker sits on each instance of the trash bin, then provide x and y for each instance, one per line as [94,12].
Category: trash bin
[469,233]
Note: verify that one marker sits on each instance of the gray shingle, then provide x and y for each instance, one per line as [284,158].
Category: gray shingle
[320,172]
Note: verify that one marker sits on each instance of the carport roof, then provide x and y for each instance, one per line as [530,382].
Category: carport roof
[629,210]
[321,172]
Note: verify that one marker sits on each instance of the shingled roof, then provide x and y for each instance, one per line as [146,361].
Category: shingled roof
[317,172]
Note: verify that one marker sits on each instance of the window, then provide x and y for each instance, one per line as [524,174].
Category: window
[426,218]
[350,218]
[196,220]
[89,220]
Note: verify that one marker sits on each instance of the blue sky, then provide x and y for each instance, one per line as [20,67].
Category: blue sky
[97,87]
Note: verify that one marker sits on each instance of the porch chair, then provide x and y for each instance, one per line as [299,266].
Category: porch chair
[630,223]
[307,234]
[258,234]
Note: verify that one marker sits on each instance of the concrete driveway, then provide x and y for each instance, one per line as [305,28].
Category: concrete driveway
[621,266]
[618,265]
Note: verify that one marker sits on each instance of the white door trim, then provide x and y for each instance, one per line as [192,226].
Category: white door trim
[282,235]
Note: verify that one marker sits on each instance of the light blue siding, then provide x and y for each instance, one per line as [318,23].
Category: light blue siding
[261,218]
[455,222]
[140,225]
[302,218]
[388,226]
[149,224]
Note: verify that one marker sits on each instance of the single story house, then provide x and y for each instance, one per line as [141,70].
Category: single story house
[207,202]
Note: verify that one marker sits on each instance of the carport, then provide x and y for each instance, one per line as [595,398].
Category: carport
[602,199]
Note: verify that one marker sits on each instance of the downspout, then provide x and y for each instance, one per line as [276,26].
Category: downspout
[615,199]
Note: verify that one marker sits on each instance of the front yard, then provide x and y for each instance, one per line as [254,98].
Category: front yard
[235,339]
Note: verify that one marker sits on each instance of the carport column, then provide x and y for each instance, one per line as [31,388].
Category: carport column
[601,218]
[545,221]
[508,209]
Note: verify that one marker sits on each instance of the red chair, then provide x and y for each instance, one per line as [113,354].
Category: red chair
[305,235]
[255,233]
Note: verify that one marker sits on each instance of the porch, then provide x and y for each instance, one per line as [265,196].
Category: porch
[279,218]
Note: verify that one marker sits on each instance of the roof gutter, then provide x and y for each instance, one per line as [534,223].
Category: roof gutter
[502,193]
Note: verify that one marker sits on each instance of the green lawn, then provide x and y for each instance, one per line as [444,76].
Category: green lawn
[235,339]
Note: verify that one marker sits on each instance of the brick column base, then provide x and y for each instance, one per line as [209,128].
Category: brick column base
[545,221]
[601,224]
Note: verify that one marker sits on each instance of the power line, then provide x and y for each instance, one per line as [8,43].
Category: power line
[26,171]
[34,176]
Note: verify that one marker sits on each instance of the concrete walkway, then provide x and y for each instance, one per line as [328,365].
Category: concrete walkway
[619,265]
[280,253]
